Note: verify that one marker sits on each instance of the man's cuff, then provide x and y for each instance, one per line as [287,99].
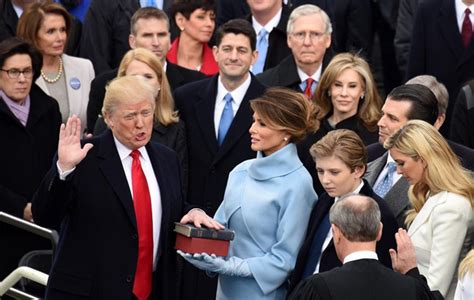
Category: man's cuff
[63,174]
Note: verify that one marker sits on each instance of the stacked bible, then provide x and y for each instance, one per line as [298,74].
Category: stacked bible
[190,239]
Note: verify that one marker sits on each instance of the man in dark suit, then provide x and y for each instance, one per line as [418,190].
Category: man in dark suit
[438,47]
[361,276]
[309,38]
[149,30]
[115,199]
[269,19]
[105,32]
[231,9]
[212,152]
[404,103]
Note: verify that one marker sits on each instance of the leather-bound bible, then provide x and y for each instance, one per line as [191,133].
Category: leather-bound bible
[191,239]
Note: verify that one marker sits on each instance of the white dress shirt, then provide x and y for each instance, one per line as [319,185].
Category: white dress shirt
[358,255]
[461,12]
[237,96]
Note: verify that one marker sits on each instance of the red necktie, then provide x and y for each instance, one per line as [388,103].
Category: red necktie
[466,31]
[142,203]
[308,91]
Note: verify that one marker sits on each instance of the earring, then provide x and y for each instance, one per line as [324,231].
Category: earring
[285,139]
[329,93]
[362,97]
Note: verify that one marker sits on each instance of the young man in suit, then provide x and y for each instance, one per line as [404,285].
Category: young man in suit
[355,222]
[116,198]
[150,30]
[218,117]
[269,19]
[309,38]
[404,103]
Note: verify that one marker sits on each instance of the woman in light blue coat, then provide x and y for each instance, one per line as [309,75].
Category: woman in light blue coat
[267,203]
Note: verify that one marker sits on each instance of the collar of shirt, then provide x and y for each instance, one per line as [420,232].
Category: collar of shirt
[316,76]
[18,9]
[124,152]
[165,64]
[396,176]
[356,191]
[269,26]
[237,95]
[460,9]
[360,255]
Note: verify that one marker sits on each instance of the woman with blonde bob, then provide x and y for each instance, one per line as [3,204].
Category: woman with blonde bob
[168,129]
[347,97]
[442,196]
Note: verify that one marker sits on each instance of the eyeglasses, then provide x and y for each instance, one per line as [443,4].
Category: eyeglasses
[15,73]
[313,35]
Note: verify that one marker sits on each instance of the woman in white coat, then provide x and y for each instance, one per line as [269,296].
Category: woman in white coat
[442,197]
[267,202]
[65,78]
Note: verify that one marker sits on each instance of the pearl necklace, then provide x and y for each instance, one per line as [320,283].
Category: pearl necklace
[55,79]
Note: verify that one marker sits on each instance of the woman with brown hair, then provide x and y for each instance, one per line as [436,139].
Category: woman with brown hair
[67,79]
[196,21]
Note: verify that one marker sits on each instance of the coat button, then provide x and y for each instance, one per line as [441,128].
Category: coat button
[129,279]
[134,236]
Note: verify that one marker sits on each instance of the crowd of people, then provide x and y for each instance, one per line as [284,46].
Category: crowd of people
[333,137]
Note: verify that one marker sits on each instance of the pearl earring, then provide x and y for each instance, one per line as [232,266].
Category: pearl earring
[285,139]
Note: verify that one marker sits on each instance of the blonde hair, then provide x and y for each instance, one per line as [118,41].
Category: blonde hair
[287,110]
[443,171]
[130,89]
[369,107]
[164,109]
[467,265]
[345,145]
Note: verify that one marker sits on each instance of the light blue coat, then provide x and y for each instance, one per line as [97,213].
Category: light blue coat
[267,202]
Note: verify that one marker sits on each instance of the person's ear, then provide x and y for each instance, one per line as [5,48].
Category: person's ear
[379,232]
[180,20]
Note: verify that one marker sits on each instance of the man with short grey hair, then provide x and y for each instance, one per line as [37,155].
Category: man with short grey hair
[309,37]
[355,222]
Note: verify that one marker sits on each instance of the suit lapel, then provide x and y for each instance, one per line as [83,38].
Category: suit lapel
[73,72]
[204,109]
[111,167]
[448,27]
[374,169]
[242,120]
[397,197]
[175,78]
[424,213]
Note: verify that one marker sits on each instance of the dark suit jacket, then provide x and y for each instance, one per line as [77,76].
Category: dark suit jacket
[285,74]
[329,259]
[231,9]
[363,279]
[437,50]
[463,116]
[176,75]
[8,20]
[25,157]
[277,45]
[351,123]
[397,196]
[97,254]
[209,164]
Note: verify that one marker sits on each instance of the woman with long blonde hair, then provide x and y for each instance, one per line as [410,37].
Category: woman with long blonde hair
[442,196]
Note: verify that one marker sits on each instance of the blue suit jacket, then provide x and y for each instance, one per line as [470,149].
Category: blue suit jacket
[98,249]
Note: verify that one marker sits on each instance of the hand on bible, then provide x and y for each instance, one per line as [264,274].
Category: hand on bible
[70,152]
[232,266]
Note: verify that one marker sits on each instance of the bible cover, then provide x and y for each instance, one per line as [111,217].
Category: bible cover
[190,230]
[202,245]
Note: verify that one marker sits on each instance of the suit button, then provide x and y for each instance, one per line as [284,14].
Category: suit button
[129,279]
[134,236]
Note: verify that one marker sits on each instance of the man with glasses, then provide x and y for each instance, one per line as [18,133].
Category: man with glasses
[309,36]
[29,125]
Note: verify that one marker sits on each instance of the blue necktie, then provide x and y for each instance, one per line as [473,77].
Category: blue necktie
[317,246]
[226,119]
[386,183]
[262,47]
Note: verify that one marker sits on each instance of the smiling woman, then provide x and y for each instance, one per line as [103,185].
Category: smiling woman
[65,78]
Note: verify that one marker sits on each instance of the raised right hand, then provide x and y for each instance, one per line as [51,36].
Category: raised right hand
[70,153]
